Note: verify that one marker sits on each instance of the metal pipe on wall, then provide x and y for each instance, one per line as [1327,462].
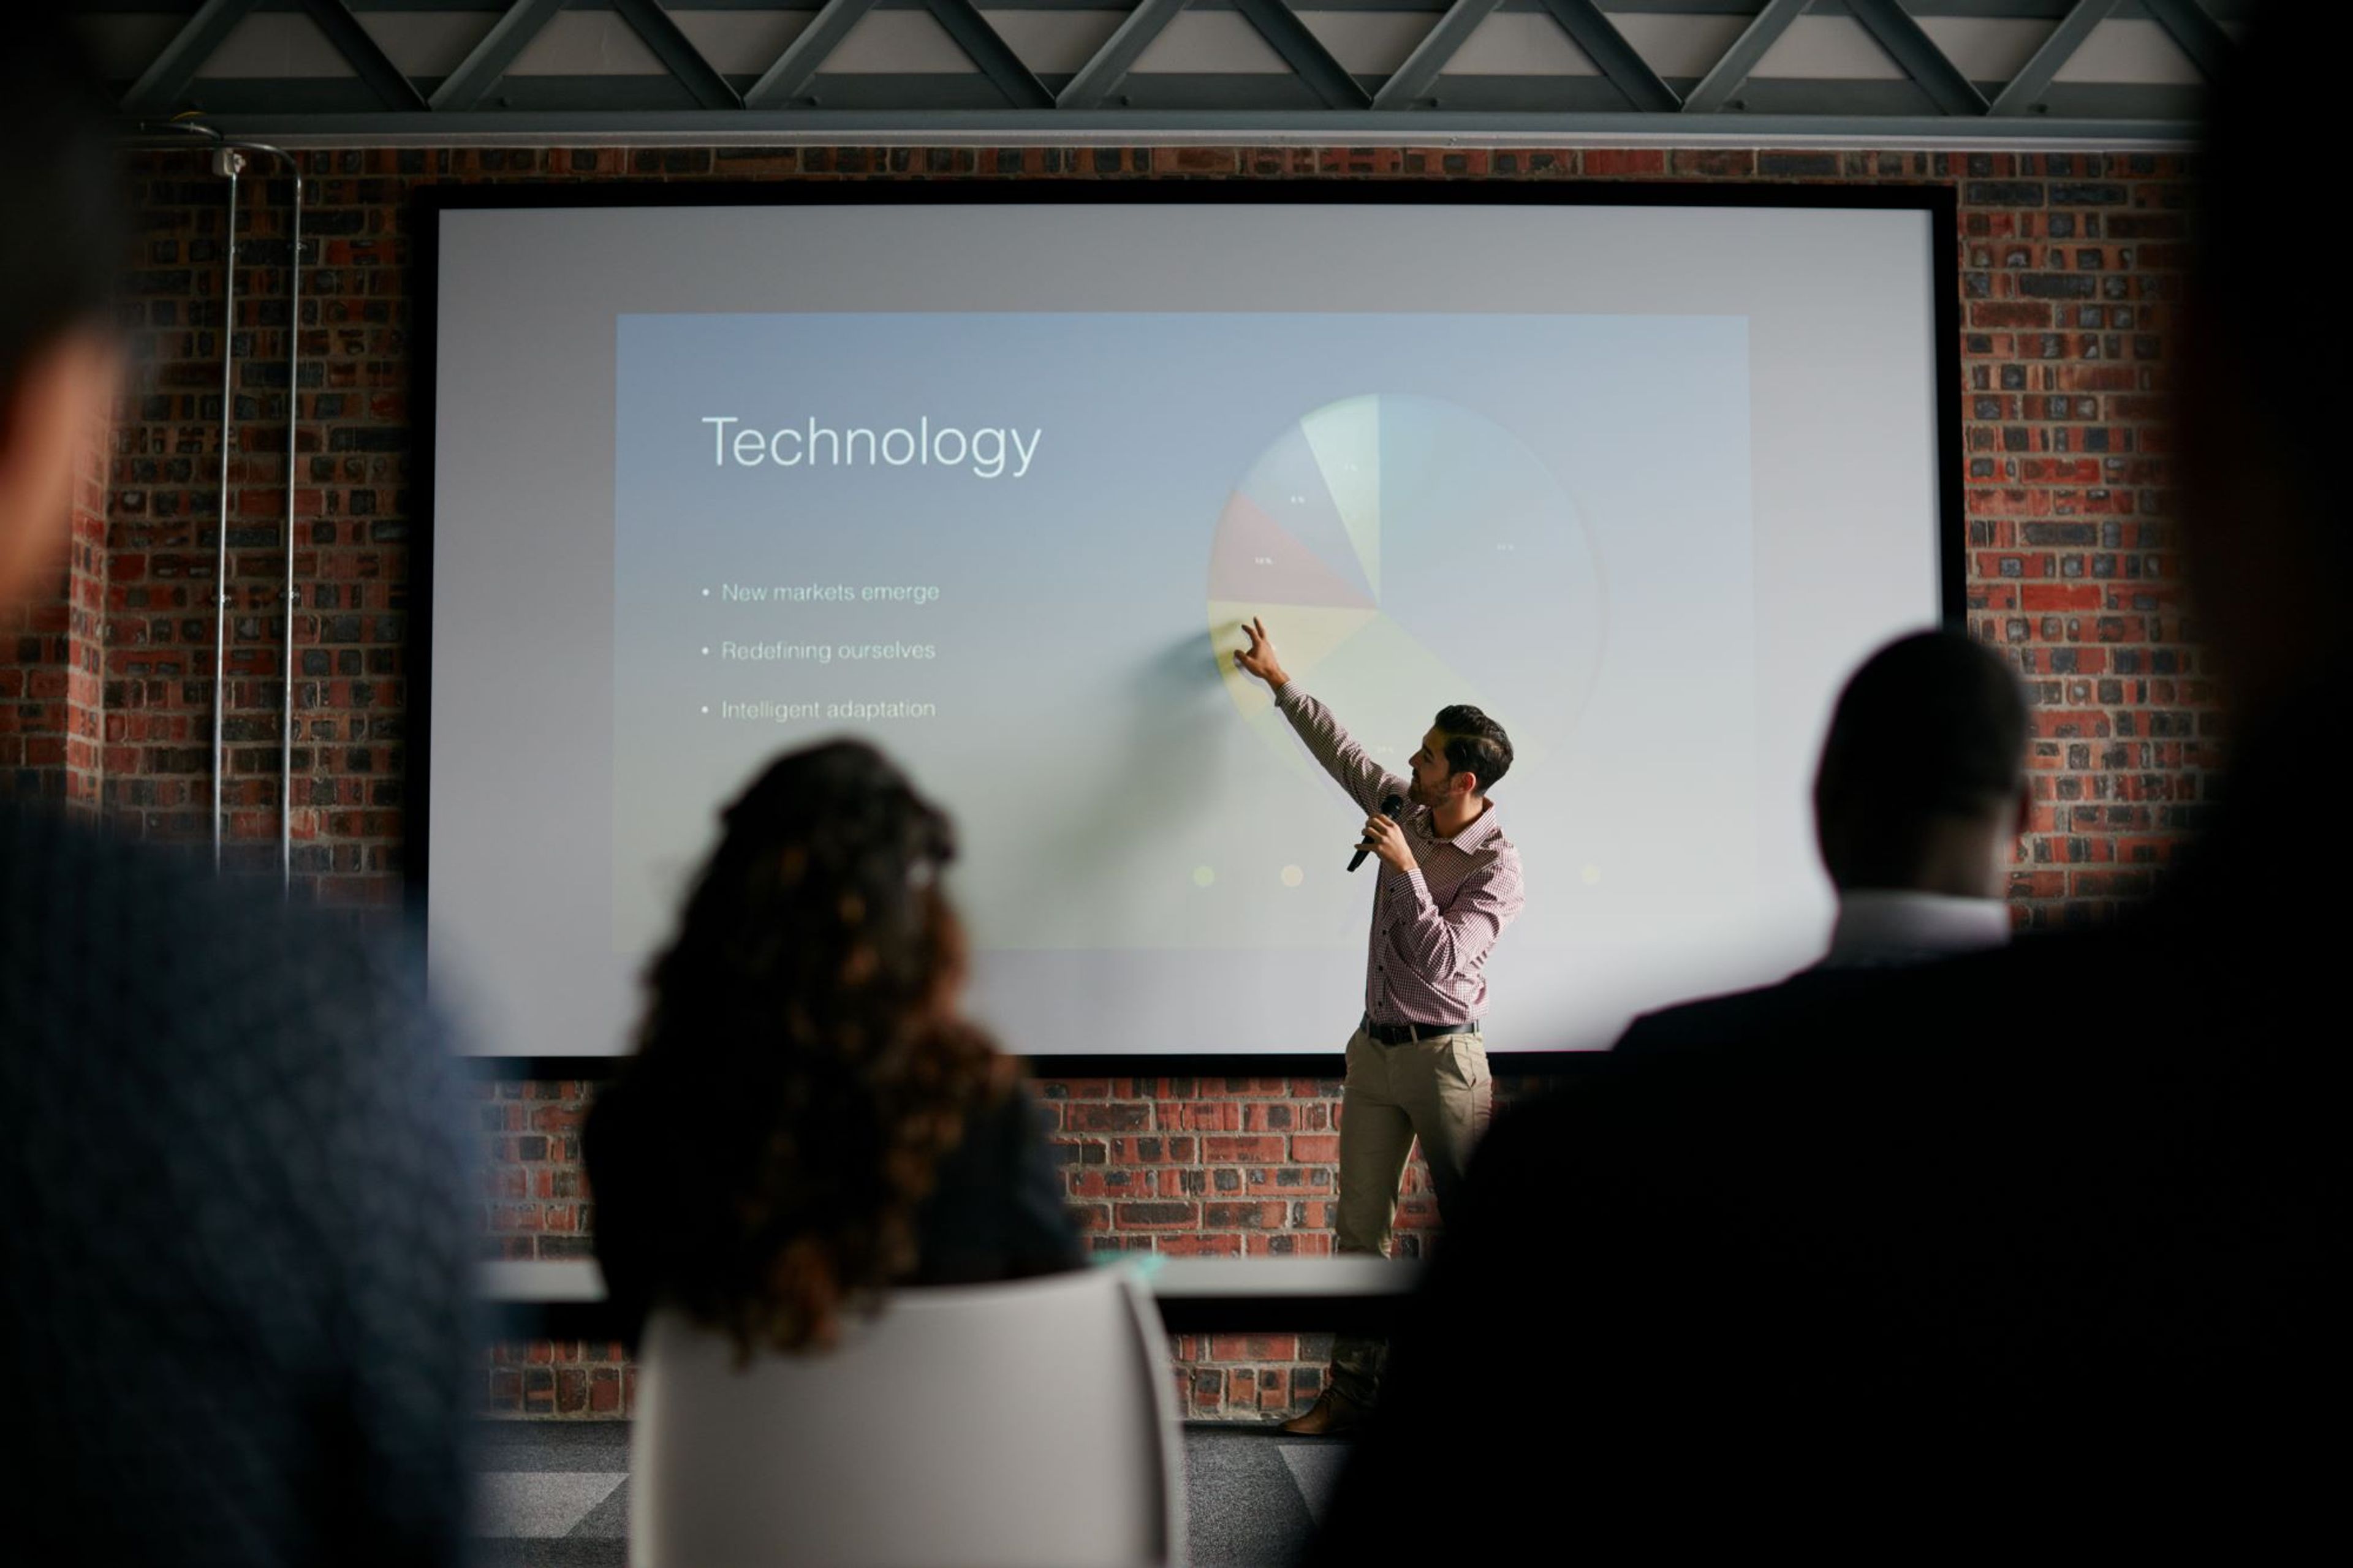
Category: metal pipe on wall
[293,424]
[230,162]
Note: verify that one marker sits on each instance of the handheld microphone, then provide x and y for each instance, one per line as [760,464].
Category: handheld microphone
[1390,806]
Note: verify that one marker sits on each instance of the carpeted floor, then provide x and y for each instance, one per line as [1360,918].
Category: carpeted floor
[556,1494]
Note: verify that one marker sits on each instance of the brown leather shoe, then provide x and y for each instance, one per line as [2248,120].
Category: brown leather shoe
[1334,1415]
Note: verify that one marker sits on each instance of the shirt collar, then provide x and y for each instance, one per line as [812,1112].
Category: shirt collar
[1483,827]
[1879,923]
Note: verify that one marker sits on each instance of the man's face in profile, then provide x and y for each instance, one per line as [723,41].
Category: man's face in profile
[1433,776]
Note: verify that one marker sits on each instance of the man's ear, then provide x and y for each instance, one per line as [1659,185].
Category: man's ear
[2025,815]
[57,406]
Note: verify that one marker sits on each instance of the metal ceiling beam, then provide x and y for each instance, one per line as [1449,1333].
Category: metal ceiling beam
[996,58]
[1304,53]
[678,54]
[1606,48]
[1579,105]
[1419,73]
[161,86]
[790,77]
[367,57]
[1917,53]
[985,128]
[2200,38]
[1101,76]
[480,71]
[2026,89]
[1723,79]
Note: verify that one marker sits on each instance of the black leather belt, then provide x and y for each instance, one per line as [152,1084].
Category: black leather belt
[1399,1033]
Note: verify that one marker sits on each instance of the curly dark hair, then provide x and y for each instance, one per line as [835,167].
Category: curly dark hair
[801,1065]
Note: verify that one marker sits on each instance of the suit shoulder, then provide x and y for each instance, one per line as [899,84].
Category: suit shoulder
[1739,1014]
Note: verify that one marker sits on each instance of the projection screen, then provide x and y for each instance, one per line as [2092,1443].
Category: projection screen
[989,477]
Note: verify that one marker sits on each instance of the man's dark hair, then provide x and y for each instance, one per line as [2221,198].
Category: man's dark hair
[62,223]
[1933,725]
[1475,744]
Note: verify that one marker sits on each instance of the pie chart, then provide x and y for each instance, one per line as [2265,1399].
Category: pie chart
[1407,553]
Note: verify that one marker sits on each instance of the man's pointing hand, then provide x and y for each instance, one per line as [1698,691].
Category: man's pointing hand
[1259,658]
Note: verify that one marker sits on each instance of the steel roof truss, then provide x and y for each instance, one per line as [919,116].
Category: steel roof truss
[367,58]
[1412,81]
[1917,53]
[164,82]
[996,58]
[1629,72]
[1279,24]
[478,72]
[165,86]
[1725,77]
[2200,38]
[678,54]
[1101,76]
[2033,79]
[796,68]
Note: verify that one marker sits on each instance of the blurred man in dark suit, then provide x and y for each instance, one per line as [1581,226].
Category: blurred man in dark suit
[2022,1252]
[1918,802]
[235,1252]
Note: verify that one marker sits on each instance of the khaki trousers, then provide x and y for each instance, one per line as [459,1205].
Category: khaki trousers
[1436,1090]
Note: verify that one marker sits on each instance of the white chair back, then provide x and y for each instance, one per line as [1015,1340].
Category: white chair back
[1030,1423]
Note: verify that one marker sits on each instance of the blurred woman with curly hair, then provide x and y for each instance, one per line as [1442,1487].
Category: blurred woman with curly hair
[807,1120]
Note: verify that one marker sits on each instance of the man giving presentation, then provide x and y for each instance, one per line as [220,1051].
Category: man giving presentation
[1449,884]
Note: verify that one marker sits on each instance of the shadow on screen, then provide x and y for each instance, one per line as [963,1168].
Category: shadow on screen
[1156,745]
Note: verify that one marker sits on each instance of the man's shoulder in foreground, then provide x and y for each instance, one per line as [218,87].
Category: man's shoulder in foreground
[126,946]
[1828,1055]
[236,1169]
[1724,1020]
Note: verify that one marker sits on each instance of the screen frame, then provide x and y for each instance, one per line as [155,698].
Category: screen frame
[1939,201]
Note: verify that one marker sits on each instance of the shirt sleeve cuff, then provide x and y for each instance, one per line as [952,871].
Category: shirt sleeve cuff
[1414,881]
[1287,694]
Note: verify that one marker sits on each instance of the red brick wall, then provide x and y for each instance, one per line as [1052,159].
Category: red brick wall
[2070,278]
[33,683]
[84,653]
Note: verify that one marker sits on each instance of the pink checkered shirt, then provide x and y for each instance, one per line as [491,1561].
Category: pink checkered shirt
[1432,926]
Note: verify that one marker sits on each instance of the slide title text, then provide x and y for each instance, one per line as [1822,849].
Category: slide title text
[990,452]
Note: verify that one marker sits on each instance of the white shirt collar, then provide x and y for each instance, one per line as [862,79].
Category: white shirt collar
[1887,926]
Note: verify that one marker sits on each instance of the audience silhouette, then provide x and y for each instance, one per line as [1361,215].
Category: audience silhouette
[1918,802]
[235,1322]
[2021,1246]
[808,1120]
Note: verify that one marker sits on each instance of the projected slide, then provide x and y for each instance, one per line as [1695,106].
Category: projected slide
[984,553]
[995,488]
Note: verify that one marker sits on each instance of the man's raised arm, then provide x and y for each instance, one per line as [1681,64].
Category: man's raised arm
[1365,780]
